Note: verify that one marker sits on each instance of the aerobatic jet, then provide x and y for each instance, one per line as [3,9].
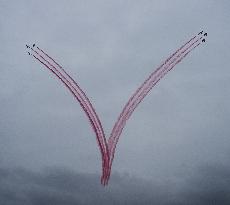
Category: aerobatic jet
[203,40]
[200,33]
[205,34]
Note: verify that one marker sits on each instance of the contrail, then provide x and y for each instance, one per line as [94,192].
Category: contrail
[107,149]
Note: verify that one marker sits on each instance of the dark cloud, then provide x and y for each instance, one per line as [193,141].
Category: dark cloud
[59,186]
[209,185]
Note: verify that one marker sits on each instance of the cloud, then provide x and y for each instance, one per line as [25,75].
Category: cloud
[209,185]
[60,186]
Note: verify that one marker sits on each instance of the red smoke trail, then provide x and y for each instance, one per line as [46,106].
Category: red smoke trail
[108,149]
[92,110]
[127,115]
[139,89]
[54,70]
[143,91]
[155,76]
[78,90]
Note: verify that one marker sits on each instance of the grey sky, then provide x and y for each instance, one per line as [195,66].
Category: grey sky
[110,47]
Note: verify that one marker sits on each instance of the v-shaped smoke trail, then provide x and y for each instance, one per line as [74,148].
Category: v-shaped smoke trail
[107,149]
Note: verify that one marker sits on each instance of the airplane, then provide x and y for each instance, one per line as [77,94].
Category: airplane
[29,53]
[33,44]
[203,40]
[27,46]
[200,33]
[205,34]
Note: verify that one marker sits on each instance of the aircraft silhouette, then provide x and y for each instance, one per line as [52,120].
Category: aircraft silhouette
[33,44]
[203,40]
[205,34]
[200,32]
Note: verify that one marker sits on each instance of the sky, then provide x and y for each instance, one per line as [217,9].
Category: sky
[174,149]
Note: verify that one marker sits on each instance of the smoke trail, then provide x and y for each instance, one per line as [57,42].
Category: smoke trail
[147,83]
[156,75]
[82,103]
[95,116]
[126,113]
[139,89]
[108,149]
[69,85]
[132,103]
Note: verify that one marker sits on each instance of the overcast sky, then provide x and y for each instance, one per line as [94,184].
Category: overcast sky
[175,148]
